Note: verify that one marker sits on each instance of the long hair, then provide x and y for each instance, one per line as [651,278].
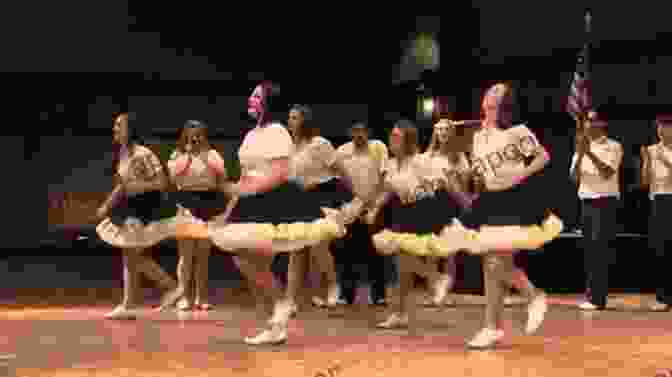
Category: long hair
[133,140]
[409,131]
[202,131]
[273,107]
[308,129]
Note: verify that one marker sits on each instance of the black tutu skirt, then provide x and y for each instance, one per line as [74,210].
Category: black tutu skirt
[524,204]
[427,215]
[286,203]
[332,194]
[147,207]
[203,204]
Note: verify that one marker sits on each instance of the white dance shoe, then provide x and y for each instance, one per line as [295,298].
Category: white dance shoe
[486,338]
[394,321]
[121,312]
[536,311]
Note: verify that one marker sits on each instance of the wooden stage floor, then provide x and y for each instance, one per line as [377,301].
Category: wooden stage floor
[65,335]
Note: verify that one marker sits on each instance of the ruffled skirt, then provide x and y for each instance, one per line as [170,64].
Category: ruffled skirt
[204,205]
[288,216]
[413,229]
[515,219]
[141,221]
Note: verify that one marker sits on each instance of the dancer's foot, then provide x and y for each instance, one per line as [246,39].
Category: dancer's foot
[170,298]
[275,335]
[205,306]
[586,305]
[536,311]
[441,287]
[486,338]
[121,312]
[394,321]
[184,305]
[658,306]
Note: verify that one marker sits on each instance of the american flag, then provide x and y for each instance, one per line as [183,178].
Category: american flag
[580,99]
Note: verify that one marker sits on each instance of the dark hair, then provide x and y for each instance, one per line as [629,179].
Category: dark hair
[410,132]
[133,140]
[359,126]
[274,110]
[308,130]
[192,124]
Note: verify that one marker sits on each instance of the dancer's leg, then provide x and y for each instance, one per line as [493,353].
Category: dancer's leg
[496,270]
[163,280]
[296,274]
[201,274]
[185,271]
[324,262]
[131,280]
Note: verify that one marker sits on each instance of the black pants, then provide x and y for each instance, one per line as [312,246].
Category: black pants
[660,235]
[357,261]
[598,217]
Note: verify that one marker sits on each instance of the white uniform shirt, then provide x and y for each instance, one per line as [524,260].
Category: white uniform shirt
[593,185]
[200,175]
[661,177]
[142,165]
[312,161]
[364,168]
[260,146]
[500,153]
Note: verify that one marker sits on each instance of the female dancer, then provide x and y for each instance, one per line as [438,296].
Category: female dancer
[313,163]
[268,217]
[413,204]
[198,172]
[657,175]
[443,156]
[506,164]
[134,210]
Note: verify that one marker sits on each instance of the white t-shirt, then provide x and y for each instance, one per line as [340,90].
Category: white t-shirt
[500,153]
[661,180]
[312,161]
[592,184]
[407,179]
[142,165]
[260,146]
[364,168]
[199,175]
[435,165]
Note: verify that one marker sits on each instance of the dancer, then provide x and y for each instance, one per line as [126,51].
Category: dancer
[313,164]
[415,201]
[657,175]
[199,173]
[268,218]
[506,164]
[134,220]
[595,170]
[443,156]
[356,258]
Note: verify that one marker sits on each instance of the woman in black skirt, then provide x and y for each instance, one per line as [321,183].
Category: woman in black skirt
[657,175]
[199,173]
[506,163]
[269,216]
[416,204]
[136,217]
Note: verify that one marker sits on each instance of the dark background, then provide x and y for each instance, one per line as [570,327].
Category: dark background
[71,66]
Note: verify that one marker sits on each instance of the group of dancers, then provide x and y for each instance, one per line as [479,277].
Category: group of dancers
[473,190]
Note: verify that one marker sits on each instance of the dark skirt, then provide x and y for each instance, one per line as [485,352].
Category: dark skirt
[287,203]
[332,194]
[659,221]
[428,215]
[524,204]
[147,207]
[203,204]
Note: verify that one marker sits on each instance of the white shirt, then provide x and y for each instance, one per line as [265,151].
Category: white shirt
[661,176]
[407,179]
[142,165]
[593,185]
[199,176]
[499,153]
[260,146]
[312,161]
[364,169]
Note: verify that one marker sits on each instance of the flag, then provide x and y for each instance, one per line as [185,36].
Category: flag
[580,99]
